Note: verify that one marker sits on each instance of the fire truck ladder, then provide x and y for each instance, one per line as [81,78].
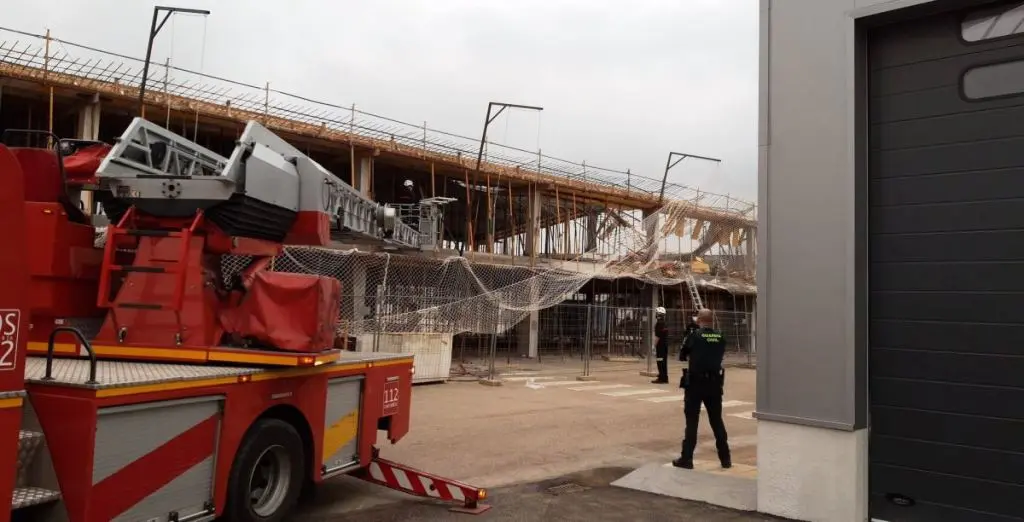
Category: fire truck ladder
[691,284]
[174,267]
[151,162]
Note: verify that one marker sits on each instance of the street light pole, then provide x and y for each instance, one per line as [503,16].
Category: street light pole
[490,119]
[678,156]
[154,29]
[480,155]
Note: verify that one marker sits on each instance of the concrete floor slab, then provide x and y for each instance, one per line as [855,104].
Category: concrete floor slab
[735,488]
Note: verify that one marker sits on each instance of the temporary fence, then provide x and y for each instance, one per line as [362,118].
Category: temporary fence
[476,310]
[586,339]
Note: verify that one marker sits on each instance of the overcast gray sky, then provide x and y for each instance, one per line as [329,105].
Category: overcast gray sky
[622,83]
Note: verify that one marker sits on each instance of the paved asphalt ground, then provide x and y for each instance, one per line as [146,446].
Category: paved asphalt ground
[594,501]
[515,439]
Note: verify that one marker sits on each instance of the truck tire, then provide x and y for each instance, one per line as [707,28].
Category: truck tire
[267,475]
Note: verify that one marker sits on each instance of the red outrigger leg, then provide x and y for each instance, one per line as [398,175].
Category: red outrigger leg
[415,482]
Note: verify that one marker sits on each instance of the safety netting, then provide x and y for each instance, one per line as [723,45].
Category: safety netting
[423,293]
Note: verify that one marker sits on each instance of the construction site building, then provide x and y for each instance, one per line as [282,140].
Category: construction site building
[522,216]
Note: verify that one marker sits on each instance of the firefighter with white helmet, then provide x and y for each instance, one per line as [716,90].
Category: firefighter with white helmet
[660,346]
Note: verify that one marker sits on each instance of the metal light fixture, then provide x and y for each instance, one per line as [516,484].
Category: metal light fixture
[678,156]
[154,29]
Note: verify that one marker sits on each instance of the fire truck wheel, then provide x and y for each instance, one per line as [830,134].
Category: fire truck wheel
[267,475]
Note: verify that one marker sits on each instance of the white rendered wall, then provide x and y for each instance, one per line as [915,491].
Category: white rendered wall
[814,474]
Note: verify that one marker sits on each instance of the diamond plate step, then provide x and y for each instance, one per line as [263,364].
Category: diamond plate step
[28,443]
[26,497]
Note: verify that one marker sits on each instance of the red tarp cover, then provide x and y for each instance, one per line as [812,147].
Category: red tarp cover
[293,312]
[81,166]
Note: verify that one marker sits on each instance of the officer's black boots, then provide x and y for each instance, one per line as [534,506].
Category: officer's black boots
[725,459]
[687,463]
[683,462]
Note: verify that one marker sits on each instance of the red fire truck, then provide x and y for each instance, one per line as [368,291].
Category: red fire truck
[141,382]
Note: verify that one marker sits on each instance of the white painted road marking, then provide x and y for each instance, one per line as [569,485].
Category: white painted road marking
[527,378]
[600,387]
[748,415]
[557,383]
[627,393]
[515,373]
[733,404]
[668,398]
[678,397]
[533,384]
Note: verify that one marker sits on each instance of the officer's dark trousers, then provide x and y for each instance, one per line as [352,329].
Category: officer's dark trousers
[661,358]
[707,391]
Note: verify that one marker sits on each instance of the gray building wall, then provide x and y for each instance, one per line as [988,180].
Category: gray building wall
[808,369]
[812,269]
[811,315]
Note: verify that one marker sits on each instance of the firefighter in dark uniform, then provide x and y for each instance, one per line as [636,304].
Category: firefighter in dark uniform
[408,193]
[661,346]
[703,383]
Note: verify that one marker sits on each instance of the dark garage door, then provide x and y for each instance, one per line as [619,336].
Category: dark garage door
[946,273]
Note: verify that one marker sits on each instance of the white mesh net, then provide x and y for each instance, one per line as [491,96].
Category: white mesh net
[385,293]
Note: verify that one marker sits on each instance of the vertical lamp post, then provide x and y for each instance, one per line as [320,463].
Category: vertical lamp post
[154,29]
[673,159]
[490,119]
[677,157]
[491,377]
[480,155]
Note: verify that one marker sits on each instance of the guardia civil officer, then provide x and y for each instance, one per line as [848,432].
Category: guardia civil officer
[703,383]
[661,346]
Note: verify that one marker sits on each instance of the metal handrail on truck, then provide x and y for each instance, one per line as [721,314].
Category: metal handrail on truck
[82,340]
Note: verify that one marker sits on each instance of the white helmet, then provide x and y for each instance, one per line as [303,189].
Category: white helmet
[408,183]
[660,310]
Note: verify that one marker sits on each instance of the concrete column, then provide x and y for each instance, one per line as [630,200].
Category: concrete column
[649,297]
[533,218]
[653,230]
[650,293]
[591,242]
[528,335]
[364,175]
[753,329]
[89,120]
[750,233]
[359,309]
[528,330]
[88,128]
